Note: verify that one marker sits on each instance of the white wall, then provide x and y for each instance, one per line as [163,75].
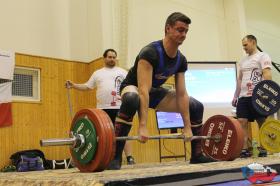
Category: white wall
[85,30]
[235,27]
[206,40]
[263,21]
[35,27]
[66,29]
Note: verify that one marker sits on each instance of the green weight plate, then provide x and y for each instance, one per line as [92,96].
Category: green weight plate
[270,135]
[94,116]
[85,127]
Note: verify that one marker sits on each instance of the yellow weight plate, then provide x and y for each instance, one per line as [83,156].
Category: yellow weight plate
[270,135]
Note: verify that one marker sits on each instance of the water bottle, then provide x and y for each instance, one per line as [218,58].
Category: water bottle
[255,149]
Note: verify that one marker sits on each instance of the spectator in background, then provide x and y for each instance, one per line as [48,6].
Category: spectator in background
[107,80]
[253,68]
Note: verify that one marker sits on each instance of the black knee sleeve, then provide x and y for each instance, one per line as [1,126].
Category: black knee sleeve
[130,104]
[196,111]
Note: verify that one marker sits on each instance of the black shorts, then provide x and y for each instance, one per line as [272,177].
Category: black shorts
[112,114]
[195,107]
[157,94]
[245,109]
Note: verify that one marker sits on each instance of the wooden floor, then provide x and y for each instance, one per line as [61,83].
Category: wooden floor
[128,172]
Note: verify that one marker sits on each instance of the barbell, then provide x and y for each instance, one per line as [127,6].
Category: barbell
[266,97]
[92,139]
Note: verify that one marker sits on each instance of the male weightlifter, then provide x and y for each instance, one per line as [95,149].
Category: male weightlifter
[141,89]
[253,68]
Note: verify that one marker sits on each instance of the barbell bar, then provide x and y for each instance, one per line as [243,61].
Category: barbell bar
[170,136]
[78,140]
[92,139]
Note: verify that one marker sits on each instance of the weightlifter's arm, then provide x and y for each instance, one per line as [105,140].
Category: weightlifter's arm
[237,90]
[90,84]
[182,100]
[70,84]
[144,80]
[267,74]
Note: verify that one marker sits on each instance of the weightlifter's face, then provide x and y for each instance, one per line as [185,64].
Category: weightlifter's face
[177,32]
[111,59]
[248,46]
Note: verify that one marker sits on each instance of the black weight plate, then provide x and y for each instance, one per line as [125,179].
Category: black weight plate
[266,97]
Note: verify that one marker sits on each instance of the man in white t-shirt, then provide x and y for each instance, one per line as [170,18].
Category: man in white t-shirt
[107,80]
[253,68]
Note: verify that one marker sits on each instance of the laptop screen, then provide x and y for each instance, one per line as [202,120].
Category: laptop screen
[169,120]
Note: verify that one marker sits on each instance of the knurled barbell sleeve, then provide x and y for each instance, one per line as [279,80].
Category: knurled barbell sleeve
[57,142]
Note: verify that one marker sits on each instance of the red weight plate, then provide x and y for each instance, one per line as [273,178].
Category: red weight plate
[92,115]
[231,142]
[113,143]
[110,149]
[103,123]
[240,138]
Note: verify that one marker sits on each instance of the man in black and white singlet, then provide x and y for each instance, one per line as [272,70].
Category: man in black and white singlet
[142,89]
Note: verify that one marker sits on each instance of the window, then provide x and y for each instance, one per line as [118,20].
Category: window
[26,84]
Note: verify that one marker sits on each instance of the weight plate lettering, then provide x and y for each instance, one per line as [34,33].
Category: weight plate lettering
[270,135]
[85,127]
[266,97]
[95,116]
[231,138]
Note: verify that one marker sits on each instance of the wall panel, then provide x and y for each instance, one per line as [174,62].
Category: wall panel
[50,117]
